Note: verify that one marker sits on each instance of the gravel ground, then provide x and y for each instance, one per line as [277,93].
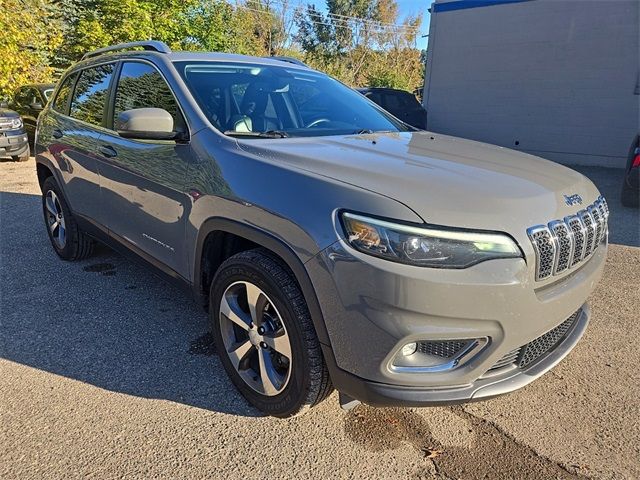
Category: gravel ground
[107,372]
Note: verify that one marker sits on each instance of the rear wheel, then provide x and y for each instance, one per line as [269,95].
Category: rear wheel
[264,335]
[69,242]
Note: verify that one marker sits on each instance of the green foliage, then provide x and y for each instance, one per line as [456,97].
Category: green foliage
[30,34]
[361,52]
[41,37]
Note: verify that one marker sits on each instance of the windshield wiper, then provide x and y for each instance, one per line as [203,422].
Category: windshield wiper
[267,134]
[363,131]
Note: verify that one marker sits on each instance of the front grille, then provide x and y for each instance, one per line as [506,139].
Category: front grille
[443,349]
[563,244]
[524,356]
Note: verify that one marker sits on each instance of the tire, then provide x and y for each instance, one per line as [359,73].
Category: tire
[70,243]
[24,157]
[300,380]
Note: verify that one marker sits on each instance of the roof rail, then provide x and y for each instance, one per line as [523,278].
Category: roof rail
[293,60]
[152,45]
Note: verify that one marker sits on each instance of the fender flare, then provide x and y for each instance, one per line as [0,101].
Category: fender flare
[54,171]
[275,245]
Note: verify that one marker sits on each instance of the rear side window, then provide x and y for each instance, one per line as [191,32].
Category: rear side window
[22,96]
[141,86]
[91,93]
[64,92]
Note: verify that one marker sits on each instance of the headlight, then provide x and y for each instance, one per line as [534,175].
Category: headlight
[16,123]
[425,246]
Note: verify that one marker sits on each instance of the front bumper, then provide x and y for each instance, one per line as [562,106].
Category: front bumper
[13,143]
[382,394]
[372,307]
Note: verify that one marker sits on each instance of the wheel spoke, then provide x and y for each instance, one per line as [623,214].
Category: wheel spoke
[61,234]
[268,373]
[238,352]
[53,226]
[280,343]
[51,207]
[256,302]
[233,313]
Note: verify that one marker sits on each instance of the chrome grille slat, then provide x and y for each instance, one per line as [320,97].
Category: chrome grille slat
[604,213]
[579,237]
[545,248]
[589,223]
[595,213]
[563,244]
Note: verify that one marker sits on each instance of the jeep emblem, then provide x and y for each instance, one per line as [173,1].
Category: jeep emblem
[573,199]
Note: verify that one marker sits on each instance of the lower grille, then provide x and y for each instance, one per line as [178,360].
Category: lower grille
[524,356]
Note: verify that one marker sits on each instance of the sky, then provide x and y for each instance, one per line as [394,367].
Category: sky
[406,7]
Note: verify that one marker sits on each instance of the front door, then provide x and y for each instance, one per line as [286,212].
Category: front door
[142,181]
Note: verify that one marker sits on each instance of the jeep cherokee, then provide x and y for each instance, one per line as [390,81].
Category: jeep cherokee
[333,245]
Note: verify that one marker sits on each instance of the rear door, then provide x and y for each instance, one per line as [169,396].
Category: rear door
[71,132]
[142,181]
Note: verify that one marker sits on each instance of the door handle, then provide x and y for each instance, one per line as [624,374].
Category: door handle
[107,151]
[57,133]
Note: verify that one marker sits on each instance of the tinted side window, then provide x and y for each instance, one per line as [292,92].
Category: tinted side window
[141,86]
[91,93]
[62,98]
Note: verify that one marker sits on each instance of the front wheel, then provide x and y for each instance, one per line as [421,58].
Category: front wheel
[265,336]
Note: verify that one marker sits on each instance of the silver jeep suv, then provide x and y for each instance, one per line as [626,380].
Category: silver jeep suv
[333,245]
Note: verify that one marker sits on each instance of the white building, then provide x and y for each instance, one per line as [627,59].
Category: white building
[555,78]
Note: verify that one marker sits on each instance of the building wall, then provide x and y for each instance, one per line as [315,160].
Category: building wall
[555,78]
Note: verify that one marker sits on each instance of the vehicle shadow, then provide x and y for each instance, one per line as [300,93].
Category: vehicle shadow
[105,321]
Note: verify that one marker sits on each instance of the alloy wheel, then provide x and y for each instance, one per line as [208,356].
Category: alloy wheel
[255,338]
[55,219]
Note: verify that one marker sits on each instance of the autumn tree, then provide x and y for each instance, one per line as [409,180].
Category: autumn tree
[30,33]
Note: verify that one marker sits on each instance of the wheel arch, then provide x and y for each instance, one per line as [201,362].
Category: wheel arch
[251,237]
[45,169]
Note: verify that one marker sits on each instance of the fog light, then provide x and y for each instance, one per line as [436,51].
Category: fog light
[409,349]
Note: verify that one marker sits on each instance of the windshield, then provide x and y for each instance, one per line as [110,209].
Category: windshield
[248,100]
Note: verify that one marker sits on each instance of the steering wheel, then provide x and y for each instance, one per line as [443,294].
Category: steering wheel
[317,122]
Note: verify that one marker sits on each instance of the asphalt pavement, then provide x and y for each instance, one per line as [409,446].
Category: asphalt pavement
[107,372]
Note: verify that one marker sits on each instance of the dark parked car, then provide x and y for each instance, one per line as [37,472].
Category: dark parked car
[13,138]
[631,183]
[401,104]
[29,101]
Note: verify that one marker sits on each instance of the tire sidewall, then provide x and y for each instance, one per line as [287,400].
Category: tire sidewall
[293,396]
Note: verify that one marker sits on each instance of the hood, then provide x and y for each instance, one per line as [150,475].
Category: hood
[6,113]
[445,180]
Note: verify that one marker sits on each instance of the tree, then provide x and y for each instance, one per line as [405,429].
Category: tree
[362,42]
[31,32]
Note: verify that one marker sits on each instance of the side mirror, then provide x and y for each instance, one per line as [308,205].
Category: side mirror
[36,106]
[146,124]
